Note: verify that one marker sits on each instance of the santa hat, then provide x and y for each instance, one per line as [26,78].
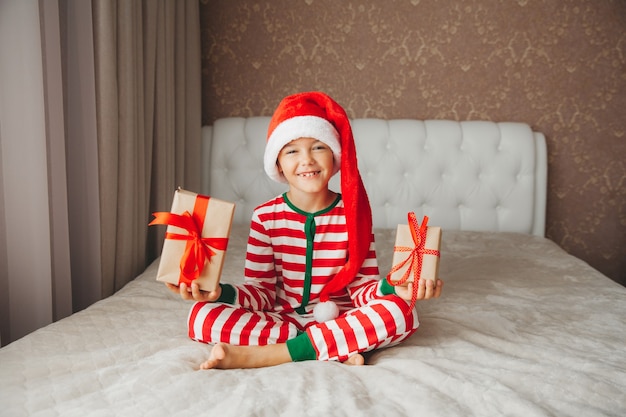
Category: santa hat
[316,115]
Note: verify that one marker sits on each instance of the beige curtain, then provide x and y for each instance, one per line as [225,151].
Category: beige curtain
[100,120]
[35,278]
[147,57]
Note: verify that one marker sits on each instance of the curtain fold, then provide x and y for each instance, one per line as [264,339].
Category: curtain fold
[26,280]
[115,128]
[57,172]
[82,156]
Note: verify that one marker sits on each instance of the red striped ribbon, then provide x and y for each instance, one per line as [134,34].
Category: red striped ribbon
[416,255]
[198,249]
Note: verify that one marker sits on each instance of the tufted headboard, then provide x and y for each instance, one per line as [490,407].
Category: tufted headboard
[473,175]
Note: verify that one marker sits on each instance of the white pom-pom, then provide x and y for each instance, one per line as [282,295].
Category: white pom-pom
[325,311]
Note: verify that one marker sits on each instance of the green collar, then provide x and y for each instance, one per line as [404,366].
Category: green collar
[317,213]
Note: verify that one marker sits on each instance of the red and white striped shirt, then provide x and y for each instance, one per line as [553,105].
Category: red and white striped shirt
[292,254]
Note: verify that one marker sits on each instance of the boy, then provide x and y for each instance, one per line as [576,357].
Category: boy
[312,287]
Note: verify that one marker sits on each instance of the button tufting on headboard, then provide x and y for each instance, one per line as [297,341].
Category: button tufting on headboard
[474,175]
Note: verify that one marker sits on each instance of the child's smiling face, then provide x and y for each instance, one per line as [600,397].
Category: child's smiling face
[307,164]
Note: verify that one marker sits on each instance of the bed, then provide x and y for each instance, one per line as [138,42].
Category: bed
[522,328]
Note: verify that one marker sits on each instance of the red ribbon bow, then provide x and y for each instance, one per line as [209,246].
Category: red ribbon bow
[416,255]
[198,250]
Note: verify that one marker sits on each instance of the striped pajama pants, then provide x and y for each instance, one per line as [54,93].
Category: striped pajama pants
[382,322]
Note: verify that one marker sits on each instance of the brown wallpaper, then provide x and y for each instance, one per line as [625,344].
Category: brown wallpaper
[559,66]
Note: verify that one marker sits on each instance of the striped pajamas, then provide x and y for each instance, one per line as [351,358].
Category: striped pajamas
[290,256]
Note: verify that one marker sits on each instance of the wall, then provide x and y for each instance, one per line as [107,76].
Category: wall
[559,66]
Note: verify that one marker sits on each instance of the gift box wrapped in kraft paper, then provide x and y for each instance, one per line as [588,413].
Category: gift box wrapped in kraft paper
[416,252]
[196,239]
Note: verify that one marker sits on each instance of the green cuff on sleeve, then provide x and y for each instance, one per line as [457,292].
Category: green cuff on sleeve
[386,288]
[301,349]
[228,294]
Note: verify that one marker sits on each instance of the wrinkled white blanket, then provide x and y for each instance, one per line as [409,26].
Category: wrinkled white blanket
[522,329]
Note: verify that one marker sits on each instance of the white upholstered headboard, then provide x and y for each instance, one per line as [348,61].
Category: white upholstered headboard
[473,175]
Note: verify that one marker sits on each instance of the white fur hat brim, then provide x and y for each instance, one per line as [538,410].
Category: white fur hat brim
[295,128]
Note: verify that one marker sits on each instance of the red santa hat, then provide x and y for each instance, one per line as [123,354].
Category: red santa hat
[316,115]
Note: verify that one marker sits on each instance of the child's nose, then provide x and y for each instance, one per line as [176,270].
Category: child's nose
[307,157]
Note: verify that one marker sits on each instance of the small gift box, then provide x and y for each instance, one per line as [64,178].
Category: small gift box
[416,252]
[196,239]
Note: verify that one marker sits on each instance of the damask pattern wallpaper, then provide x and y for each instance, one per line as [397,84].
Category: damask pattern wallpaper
[559,66]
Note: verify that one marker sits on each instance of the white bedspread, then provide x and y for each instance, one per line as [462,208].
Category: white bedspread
[521,329]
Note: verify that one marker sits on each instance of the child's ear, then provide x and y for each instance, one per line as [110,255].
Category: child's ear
[280,170]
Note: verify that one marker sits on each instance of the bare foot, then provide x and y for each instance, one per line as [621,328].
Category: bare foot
[218,354]
[355,360]
[224,356]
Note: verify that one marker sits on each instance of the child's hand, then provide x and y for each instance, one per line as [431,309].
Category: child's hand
[426,289]
[194,293]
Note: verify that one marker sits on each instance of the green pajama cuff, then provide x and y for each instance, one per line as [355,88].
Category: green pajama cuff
[301,349]
[386,288]
[228,294]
